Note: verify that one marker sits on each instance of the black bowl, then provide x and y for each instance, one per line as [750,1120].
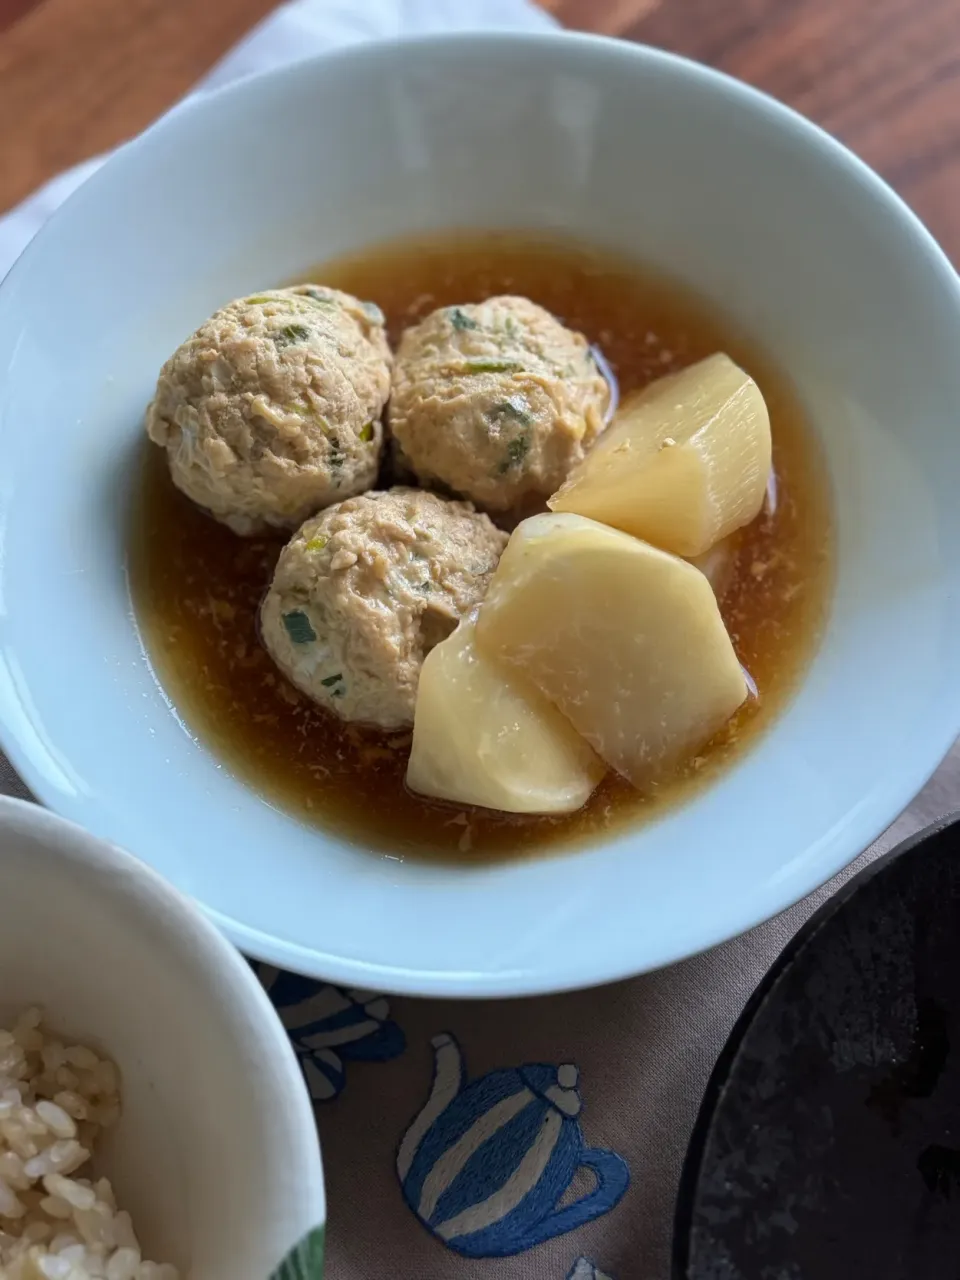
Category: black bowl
[828,1142]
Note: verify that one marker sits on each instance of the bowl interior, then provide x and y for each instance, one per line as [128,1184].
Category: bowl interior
[625,147]
[215,1154]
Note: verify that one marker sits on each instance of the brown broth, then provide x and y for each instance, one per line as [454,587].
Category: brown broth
[197,586]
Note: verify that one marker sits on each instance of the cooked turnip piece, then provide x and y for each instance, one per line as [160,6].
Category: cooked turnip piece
[626,640]
[684,463]
[482,735]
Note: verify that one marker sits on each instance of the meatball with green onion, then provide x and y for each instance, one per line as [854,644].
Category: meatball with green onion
[271,410]
[496,400]
[365,590]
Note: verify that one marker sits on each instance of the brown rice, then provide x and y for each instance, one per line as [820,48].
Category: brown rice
[55,1101]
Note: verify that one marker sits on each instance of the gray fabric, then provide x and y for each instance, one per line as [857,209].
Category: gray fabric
[10,782]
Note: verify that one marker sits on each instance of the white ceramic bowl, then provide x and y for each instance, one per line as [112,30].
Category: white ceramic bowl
[624,146]
[215,1154]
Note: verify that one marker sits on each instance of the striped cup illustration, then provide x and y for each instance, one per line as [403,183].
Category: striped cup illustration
[485,1164]
[330,1026]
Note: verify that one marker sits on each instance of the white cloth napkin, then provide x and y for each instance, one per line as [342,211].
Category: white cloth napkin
[297,30]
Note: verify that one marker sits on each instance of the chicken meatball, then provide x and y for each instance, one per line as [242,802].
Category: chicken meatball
[496,400]
[271,410]
[364,591]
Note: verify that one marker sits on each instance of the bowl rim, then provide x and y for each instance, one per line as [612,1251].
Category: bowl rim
[873,815]
[219,967]
[588,43]
[692,1167]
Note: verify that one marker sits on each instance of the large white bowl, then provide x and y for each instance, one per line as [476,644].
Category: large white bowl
[215,1154]
[625,146]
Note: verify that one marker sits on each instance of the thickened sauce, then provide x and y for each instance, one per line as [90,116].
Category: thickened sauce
[197,586]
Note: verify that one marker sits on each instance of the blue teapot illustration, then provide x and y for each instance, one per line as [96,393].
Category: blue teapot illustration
[584,1269]
[328,1025]
[485,1165]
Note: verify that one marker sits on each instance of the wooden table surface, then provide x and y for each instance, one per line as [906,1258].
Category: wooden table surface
[78,76]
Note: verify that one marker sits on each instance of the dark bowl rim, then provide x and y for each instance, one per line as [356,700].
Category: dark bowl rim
[683,1217]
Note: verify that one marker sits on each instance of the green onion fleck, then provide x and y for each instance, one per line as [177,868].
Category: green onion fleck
[374,312]
[517,450]
[330,681]
[299,627]
[259,298]
[460,320]
[366,432]
[318,543]
[516,409]
[291,333]
[323,296]
[483,365]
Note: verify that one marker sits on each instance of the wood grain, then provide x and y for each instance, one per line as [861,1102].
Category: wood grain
[10,10]
[78,76]
[882,75]
[606,18]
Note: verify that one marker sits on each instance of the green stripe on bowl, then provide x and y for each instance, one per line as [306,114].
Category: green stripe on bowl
[304,1261]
